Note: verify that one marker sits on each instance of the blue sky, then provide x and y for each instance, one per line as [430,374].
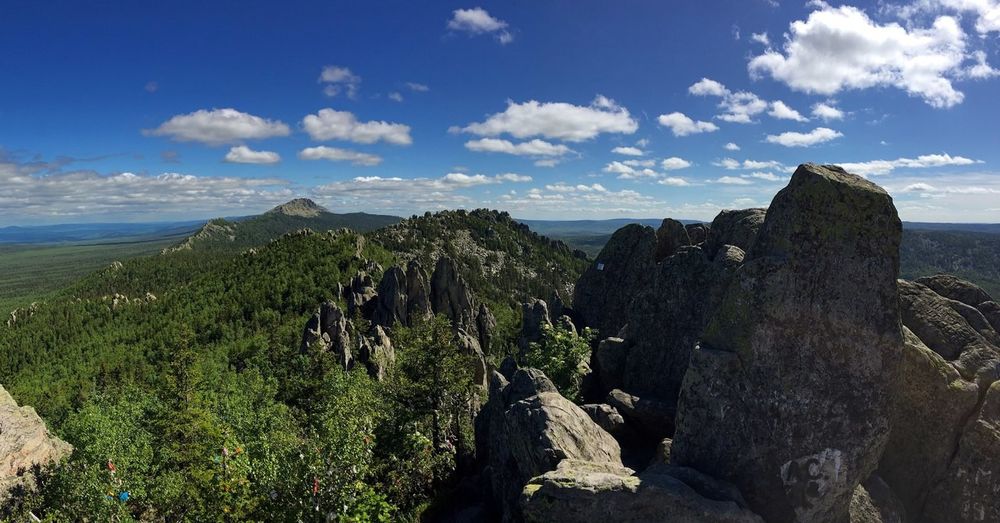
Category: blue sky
[134,111]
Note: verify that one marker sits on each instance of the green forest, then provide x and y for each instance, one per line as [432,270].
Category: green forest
[180,382]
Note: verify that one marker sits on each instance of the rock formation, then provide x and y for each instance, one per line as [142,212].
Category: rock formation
[26,446]
[534,315]
[327,330]
[788,396]
[391,299]
[669,237]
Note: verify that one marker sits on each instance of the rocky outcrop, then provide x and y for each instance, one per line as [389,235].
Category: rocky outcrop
[654,419]
[376,353]
[697,232]
[788,395]
[534,315]
[585,491]
[486,324]
[968,491]
[734,227]
[932,404]
[609,419]
[530,428]
[418,302]
[874,502]
[956,289]
[26,446]
[669,237]
[360,295]
[604,291]
[391,299]
[327,330]
[451,296]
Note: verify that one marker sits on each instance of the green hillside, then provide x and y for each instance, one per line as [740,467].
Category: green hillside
[185,370]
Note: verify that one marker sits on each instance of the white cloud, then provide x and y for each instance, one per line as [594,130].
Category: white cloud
[732,180]
[628,151]
[842,48]
[395,96]
[478,21]
[738,107]
[980,70]
[243,154]
[557,120]
[880,167]
[827,112]
[681,125]
[673,181]
[761,38]
[336,79]
[218,127]
[639,163]
[987,12]
[335,154]
[731,147]
[417,88]
[770,177]
[86,195]
[534,147]
[674,163]
[781,111]
[513,177]
[328,124]
[732,165]
[795,139]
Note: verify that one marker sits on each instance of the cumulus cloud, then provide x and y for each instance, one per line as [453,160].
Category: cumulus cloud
[731,147]
[417,88]
[534,147]
[737,107]
[766,176]
[827,112]
[760,38]
[513,177]
[335,154]
[733,180]
[477,21]
[243,154]
[881,167]
[732,165]
[83,195]
[674,181]
[781,111]
[218,127]
[395,96]
[795,139]
[628,151]
[842,48]
[336,80]
[987,12]
[681,125]
[329,124]
[674,163]
[556,120]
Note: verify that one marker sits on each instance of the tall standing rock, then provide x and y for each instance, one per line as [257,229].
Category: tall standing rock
[390,302]
[418,302]
[624,266]
[450,295]
[788,396]
[669,237]
[534,315]
[734,227]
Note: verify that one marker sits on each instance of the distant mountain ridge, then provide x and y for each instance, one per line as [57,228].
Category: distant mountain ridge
[300,213]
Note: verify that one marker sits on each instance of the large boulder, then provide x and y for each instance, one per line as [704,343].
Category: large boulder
[530,428]
[603,293]
[874,502]
[931,405]
[26,446]
[669,237]
[954,288]
[376,353]
[941,327]
[697,232]
[585,491]
[734,227]
[788,395]
[991,311]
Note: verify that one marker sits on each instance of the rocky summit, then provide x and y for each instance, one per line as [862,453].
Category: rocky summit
[26,447]
[767,367]
[303,207]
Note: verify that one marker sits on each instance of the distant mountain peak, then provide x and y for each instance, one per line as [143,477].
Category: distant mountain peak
[299,207]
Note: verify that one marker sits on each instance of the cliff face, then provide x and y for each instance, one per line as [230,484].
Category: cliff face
[25,446]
